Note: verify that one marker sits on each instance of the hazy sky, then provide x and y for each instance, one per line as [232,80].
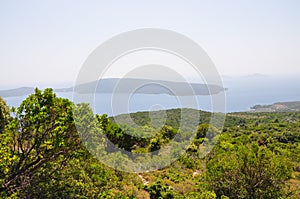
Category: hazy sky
[47,41]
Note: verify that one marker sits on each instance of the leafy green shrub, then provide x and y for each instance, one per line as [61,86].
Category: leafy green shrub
[248,171]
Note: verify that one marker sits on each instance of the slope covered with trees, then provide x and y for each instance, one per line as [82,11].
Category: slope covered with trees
[256,155]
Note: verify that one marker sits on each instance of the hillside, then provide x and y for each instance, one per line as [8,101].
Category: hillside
[172,117]
[277,131]
[44,154]
[278,107]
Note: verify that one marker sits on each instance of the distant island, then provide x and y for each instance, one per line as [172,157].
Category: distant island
[22,91]
[278,107]
[127,85]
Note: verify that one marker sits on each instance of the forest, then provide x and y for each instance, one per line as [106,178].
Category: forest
[42,154]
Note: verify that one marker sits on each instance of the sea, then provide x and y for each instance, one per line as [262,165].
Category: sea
[242,93]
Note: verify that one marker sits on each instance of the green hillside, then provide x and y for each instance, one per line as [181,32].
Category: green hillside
[255,155]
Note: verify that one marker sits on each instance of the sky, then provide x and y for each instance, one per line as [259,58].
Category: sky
[46,42]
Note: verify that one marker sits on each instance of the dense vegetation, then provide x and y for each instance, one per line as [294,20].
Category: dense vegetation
[256,155]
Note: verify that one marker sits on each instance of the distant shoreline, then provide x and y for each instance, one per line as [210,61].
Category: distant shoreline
[116,85]
[277,107]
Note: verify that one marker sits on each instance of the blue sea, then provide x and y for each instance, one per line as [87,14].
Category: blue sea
[242,93]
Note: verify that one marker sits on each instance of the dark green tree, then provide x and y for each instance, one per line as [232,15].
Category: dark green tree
[158,190]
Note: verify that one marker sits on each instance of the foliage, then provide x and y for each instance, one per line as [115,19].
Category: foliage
[44,142]
[41,131]
[158,190]
[4,115]
[247,171]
